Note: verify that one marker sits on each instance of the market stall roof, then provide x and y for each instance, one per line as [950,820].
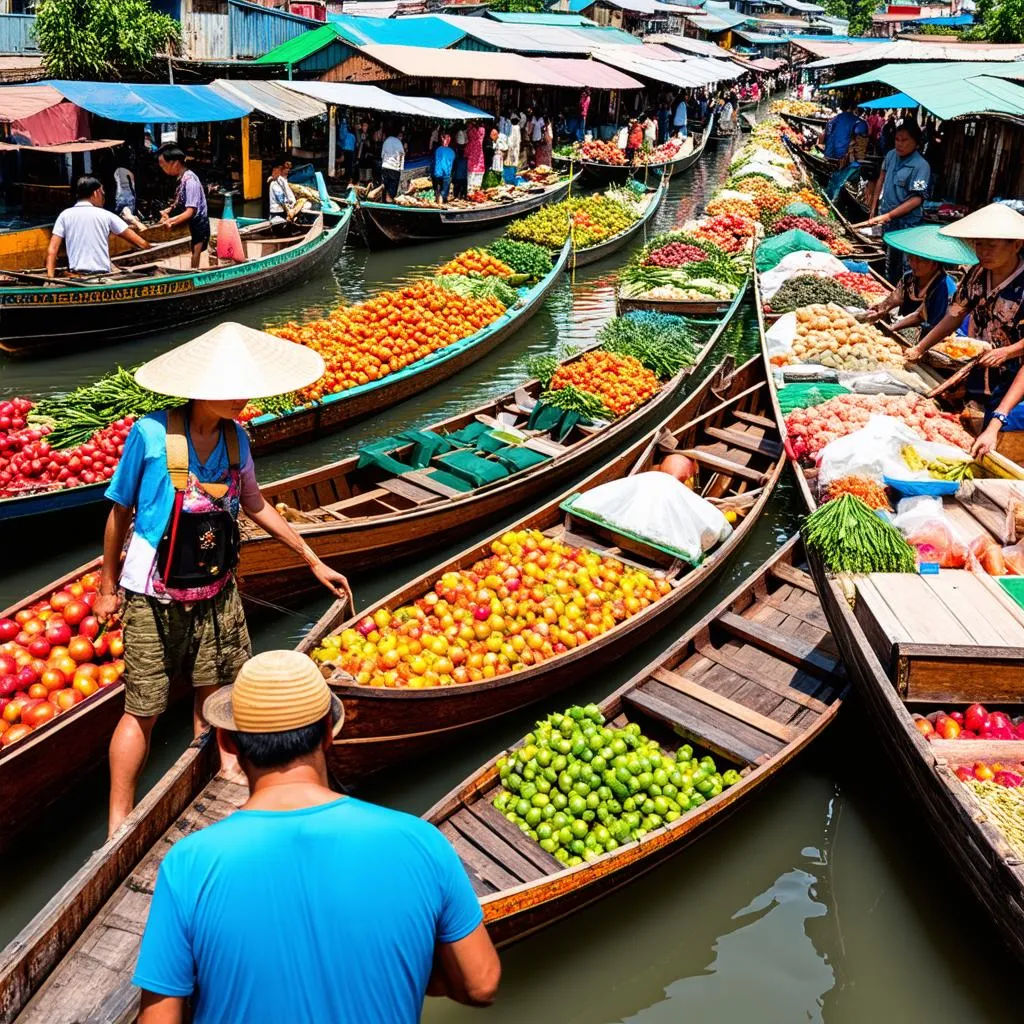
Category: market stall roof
[85,146]
[20,101]
[292,51]
[540,39]
[650,7]
[372,97]
[897,101]
[687,44]
[270,98]
[907,51]
[685,74]
[566,20]
[760,38]
[590,73]
[427,30]
[139,104]
[417,62]
[803,8]
[765,64]
[950,90]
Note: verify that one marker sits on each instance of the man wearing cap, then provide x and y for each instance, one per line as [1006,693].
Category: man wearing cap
[304,906]
[992,295]
[184,476]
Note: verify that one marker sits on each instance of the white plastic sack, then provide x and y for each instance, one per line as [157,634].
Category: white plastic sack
[729,193]
[776,174]
[804,261]
[875,451]
[779,337]
[766,156]
[661,510]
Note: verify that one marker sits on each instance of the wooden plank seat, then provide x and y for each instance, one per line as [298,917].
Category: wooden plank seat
[495,847]
[422,478]
[755,420]
[740,439]
[797,652]
[791,574]
[545,446]
[405,488]
[485,813]
[723,465]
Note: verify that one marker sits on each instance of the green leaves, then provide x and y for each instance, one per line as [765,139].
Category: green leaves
[85,39]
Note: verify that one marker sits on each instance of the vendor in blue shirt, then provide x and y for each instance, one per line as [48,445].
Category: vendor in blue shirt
[839,134]
[900,197]
[444,161]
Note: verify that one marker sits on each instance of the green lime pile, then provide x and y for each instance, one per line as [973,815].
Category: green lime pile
[581,789]
[594,219]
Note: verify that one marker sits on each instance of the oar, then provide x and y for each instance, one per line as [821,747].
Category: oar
[22,275]
[954,379]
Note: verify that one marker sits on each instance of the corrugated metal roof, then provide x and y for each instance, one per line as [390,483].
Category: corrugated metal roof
[550,39]
[760,38]
[417,62]
[270,97]
[687,44]
[372,97]
[590,73]
[685,74]
[19,101]
[560,20]
[647,7]
[905,50]
[799,5]
[952,89]
[725,12]
[415,30]
[301,47]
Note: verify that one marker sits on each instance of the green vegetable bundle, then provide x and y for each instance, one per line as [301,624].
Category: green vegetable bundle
[663,346]
[572,399]
[522,257]
[479,287]
[806,396]
[808,289]
[78,415]
[277,405]
[542,368]
[850,537]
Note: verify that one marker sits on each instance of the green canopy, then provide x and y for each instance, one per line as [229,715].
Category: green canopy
[925,240]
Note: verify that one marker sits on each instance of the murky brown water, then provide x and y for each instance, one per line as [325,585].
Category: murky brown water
[823,900]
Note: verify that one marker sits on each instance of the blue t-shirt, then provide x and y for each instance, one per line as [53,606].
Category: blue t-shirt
[839,132]
[936,303]
[444,158]
[329,913]
[142,482]
[906,177]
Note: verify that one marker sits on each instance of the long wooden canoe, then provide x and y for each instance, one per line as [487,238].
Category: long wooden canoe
[600,172]
[352,517]
[752,683]
[361,517]
[394,224]
[677,307]
[593,253]
[724,427]
[964,640]
[267,433]
[157,289]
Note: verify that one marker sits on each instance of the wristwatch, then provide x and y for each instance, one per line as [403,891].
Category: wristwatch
[1001,416]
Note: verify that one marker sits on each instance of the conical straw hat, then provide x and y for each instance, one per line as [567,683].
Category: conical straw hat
[275,691]
[928,241]
[232,362]
[992,221]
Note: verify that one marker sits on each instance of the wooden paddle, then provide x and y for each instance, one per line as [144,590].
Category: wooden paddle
[953,379]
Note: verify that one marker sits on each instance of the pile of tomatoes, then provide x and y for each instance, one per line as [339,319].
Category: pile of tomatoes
[729,231]
[621,382]
[476,263]
[28,464]
[54,654]
[385,334]
[603,152]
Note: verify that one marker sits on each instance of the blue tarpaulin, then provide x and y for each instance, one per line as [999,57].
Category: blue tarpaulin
[956,21]
[141,104]
[897,101]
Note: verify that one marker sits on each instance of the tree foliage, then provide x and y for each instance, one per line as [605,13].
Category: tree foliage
[999,22]
[517,6]
[94,39]
[860,16]
[837,8]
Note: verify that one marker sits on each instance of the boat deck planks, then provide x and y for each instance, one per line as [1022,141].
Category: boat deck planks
[93,981]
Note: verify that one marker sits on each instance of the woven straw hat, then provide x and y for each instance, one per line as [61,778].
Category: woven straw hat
[274,692]
[232,362]
[927,240]
[992,221]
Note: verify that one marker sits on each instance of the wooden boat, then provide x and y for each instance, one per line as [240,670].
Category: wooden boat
[758,665]
[923,642]
[816,124]
[270,432]
[393,224]
[677,307]
[352,516]
[607,174]
[361,516]
[156,289]
[594,253]
[722,427]
[752,683]
[747,122]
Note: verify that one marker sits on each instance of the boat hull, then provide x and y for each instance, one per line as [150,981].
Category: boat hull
[270,433]
[387,223]
[596,253]
[37,321]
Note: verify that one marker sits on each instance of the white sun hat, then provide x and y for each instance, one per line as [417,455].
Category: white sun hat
[992,221]
[232,362]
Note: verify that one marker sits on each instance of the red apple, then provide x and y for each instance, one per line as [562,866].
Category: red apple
[923,726]
[8,666]
[59,599]
[26,676]
[948,729]
[9,629]
[982,772]
[8,685]
[957,717]
[974,717]
[89,626]
[39,648]
[964,774]
[58,633]
[75,611]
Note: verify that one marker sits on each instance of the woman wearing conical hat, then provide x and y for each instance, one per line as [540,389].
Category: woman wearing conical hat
[184,476]
[992,295]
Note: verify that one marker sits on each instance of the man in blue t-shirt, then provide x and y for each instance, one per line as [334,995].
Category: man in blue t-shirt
[304,906]
[840,132]
[444,160]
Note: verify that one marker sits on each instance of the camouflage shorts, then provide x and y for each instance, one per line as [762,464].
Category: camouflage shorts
[205,642]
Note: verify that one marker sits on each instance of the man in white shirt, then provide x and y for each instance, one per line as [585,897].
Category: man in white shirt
[283,205]
[85,230]
[392,162]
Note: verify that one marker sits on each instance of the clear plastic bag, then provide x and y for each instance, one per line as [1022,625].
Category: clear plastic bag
[659,509]
[803,261]
[924,524]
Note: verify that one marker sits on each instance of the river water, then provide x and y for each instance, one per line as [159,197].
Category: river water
[825,899]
